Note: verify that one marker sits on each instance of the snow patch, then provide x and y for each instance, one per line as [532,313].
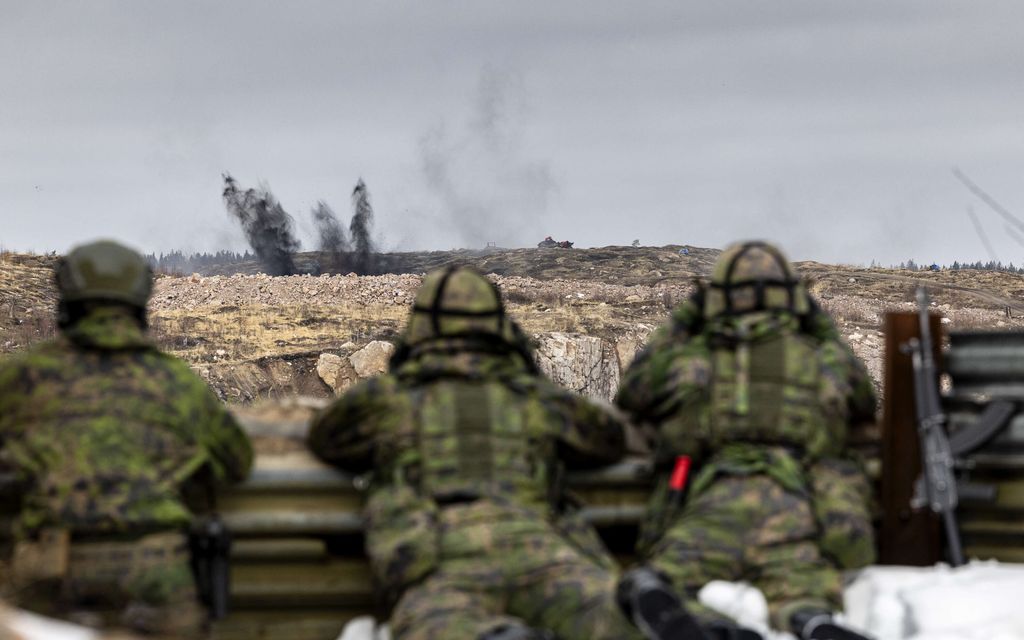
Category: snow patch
[34,627]
[743,603]
[979,601]
[365,628]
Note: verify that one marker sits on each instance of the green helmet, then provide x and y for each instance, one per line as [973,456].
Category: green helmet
[458,302]
[104,271]
[754,276]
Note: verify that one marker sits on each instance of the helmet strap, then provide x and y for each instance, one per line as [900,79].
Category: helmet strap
[70,312]
[436,310]
[789,281]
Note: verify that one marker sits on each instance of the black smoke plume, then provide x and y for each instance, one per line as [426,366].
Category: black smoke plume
[334,247]
[266,224]
[486,185]
[362,255]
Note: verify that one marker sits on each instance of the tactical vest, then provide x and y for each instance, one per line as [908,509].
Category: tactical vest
[771,389]
[480,439]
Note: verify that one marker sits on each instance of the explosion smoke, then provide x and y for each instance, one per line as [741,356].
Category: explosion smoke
[987,199]
[333,243]
[980,230]
[1014,234]
[362,256]
[266,224]
[486,185]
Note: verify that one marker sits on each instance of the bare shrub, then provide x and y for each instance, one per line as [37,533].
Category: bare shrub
[27,331]
[850,309]
[668,300]
[549,297]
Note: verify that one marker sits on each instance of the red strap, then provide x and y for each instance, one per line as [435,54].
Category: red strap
[680,473]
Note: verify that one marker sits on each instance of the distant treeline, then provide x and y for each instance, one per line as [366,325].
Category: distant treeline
[991,265]
[178,262]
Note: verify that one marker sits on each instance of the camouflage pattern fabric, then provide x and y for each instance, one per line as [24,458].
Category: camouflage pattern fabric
[502,563]
[465,444]
[144,585]
[758,400]
[108,434]
[750,528]
[688,384]
[105,430]
[842,507]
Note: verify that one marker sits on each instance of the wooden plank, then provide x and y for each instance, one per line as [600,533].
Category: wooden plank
[310,624]
[971,526]
[322,501]
[995,552]
[293,523]
[342,582]
[1009,495]
[907,537]
[280,549]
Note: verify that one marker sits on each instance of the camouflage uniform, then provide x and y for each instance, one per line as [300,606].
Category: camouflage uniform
[466,443]
[752,381]
[108,434]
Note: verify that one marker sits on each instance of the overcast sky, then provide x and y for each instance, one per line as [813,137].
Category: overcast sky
[831,127]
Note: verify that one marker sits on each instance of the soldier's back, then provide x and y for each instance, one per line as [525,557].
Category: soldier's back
[106,435]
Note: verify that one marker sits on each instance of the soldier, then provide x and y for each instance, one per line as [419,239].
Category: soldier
[751,382]
[106,435]
[465,444]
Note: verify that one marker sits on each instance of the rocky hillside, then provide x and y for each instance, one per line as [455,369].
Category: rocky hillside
[626,265]
[589,311]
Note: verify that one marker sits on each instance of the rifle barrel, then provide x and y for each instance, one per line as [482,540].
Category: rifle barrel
[936,454]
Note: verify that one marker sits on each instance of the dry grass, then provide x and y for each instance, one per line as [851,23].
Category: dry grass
[254,337]
[27,331]
[851,309]
[231,333]
[218,334]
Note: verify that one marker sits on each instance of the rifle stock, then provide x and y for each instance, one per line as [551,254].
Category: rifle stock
[937,486]
[210,543]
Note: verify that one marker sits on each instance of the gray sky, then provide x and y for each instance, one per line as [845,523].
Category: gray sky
[828,126]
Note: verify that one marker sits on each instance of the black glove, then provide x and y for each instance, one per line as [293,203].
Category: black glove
[647,599]
[515,632]
[817,624]
[724,630]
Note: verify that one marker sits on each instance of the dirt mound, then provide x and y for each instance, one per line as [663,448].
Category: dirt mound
[228,292]
[626,265]
[254,336]
[225,292]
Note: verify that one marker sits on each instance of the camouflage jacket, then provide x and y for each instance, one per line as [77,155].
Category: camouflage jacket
[106,431]
[676,385]
[459,422]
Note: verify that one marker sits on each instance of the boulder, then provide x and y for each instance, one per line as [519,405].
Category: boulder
[372,360]
[584,364]
[626,350]
[336,371]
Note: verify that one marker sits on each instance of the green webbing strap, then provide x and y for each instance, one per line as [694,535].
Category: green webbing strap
[769,364]
[741,406]
[744,459]
[435,308]
[789,283]
[473,431]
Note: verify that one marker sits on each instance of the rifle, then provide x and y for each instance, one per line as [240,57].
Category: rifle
[210,544]
[936,487]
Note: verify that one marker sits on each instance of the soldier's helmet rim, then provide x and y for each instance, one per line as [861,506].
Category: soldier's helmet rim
[754,276]
[104,271]
[735,253]
[457,302]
